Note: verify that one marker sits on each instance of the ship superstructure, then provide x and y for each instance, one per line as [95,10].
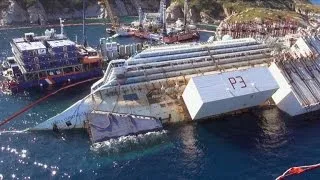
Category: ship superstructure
[151,83]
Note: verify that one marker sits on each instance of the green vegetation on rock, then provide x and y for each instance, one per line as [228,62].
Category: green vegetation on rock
[309,8]
[265,14]
[253,10]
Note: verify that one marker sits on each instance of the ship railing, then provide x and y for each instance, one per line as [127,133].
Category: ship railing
[108,73]
[204,48]
[177,46]
[202,53]
[193,49]
[220,51]
[195,62]
[214,45]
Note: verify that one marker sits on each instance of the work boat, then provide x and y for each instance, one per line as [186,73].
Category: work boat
[171,83]
[46,61]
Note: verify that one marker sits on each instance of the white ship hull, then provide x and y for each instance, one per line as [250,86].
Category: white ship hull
[71,118]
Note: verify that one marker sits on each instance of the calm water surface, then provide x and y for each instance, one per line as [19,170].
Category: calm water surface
[261,144]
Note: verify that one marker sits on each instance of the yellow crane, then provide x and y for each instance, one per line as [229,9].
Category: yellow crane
[113,18]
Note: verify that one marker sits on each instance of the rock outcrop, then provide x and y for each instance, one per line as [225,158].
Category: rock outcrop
[41,11]
[174,11]
[37,14]
[204,11]
[13,13]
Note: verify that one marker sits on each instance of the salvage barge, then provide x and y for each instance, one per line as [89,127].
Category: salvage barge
[156,86]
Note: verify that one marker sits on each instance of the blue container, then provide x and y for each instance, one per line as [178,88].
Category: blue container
[72,54]
[72,48]
[74,61]
[44,65]
[27,59]
[27,53]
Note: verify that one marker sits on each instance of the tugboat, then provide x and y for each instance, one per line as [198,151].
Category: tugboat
[40,62]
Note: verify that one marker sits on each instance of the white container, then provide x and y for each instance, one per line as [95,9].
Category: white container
[211,95]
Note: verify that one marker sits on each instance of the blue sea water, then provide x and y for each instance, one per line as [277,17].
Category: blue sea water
[315,1]
[260,144]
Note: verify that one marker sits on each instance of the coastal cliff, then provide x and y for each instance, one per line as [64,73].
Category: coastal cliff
[42,11]
[204,11]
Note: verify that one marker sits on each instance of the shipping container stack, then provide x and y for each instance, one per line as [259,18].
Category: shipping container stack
[41,55]
[29,55]
[63,53]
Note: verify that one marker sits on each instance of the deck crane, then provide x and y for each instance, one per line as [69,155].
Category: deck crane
[114,19]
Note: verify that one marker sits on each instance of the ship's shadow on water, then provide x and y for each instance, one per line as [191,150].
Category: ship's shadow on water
[263,129]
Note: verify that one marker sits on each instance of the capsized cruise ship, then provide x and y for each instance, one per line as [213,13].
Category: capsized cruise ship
[171,83]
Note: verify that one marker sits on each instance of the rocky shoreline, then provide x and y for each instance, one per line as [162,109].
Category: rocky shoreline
[13,12]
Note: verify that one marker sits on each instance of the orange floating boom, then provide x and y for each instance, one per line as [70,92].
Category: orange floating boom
[297,170]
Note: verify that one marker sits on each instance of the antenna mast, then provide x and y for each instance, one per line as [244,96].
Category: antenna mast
[186,9]
[83,23]
[61,26]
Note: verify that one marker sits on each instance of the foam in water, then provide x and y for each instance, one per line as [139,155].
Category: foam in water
[14,132]
[130,143]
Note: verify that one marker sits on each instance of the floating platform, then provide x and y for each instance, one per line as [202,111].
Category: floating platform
[212,95]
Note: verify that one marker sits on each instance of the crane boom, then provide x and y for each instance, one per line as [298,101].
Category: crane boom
[107,8]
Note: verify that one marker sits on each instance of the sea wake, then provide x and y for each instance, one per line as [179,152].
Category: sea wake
[131,143]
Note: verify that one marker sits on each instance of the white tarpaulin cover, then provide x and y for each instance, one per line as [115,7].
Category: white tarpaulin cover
[103,126]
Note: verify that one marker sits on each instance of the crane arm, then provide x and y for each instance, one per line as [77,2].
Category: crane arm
[107,8]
